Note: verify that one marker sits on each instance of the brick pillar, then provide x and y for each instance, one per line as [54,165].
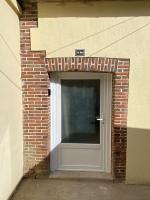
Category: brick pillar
[119,118]
[35,98]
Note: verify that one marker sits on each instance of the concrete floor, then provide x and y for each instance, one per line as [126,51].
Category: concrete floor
[79,189]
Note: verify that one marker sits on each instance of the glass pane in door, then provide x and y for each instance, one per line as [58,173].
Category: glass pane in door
[80,105]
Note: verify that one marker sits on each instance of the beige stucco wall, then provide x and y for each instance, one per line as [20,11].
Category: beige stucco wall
[11,141]
[111,29]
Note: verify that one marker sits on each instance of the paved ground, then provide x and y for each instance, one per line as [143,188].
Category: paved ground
[80,189]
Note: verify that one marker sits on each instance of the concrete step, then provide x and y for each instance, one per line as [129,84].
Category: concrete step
[80,175]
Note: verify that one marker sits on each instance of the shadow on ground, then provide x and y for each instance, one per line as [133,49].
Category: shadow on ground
[56,189]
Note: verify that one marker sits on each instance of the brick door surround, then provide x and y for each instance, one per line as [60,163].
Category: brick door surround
[119,68]
[36,69]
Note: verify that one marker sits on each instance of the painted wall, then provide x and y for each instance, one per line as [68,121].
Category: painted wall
[11,136]
[111,29]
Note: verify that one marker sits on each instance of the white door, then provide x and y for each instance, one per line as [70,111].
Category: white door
[80,121]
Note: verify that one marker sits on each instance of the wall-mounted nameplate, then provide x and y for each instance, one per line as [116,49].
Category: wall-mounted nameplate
[79,52]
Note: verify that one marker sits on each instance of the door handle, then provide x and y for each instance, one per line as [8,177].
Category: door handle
[100,119]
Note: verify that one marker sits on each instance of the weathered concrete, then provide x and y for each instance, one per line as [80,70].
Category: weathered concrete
[76,189]
[80,175]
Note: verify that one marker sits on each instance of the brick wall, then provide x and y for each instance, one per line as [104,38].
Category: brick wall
[36,103]
[35,81]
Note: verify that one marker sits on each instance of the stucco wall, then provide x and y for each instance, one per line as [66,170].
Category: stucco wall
[111,29]
[11,141]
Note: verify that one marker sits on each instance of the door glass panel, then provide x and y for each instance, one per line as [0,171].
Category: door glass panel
[80,105]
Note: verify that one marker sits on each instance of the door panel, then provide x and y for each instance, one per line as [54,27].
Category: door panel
[80,157]
[81,132]
[80,105]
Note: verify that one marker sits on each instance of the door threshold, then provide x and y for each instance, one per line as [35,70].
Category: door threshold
[80,175]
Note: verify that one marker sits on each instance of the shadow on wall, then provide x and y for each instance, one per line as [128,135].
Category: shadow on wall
[95,9]
[137,155]
[138,159]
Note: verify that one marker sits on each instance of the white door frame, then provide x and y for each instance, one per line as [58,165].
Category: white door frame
[55,138]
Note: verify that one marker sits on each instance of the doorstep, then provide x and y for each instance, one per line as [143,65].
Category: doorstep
[80,175]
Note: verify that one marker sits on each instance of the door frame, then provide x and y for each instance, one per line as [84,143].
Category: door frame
[55,138]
